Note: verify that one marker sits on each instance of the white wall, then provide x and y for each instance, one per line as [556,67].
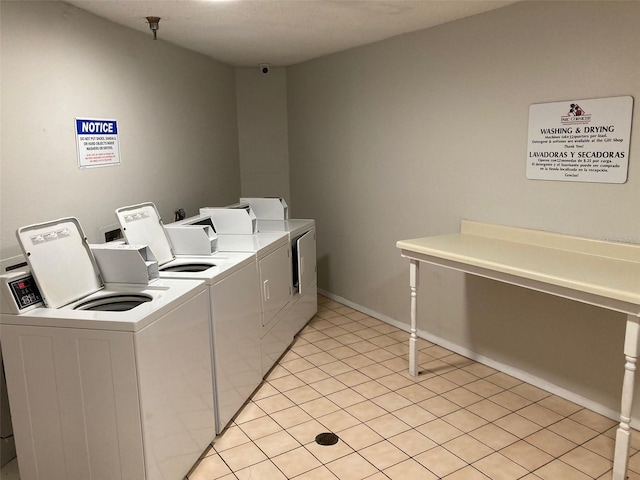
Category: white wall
[262,131]
[176,113]
[406,137]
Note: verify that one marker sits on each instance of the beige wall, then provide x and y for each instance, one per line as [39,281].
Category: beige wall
[176,114]
[262,131]
[406,137]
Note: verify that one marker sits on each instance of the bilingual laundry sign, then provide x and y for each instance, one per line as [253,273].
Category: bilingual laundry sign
[580,140]
[97,142]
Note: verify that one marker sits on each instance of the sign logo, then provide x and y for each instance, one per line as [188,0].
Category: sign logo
[576,115]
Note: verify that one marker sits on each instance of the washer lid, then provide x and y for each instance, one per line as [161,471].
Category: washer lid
[60,259]
[141,225]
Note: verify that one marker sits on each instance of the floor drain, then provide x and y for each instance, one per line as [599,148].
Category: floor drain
[326,439]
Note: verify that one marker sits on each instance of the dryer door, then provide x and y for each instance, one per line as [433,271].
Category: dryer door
[306,261]
[275,280]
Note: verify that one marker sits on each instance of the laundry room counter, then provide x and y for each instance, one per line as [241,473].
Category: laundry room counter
[588,266]
[597,272]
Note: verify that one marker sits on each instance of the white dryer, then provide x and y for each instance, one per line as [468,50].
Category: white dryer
[234,297]
[272,215]
[104,381]
[304,283]
[273,254]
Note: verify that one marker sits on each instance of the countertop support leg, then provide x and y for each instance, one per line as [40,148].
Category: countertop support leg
[623,435]
[414,272]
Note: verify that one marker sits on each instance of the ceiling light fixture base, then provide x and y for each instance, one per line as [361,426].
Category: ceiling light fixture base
[154,25]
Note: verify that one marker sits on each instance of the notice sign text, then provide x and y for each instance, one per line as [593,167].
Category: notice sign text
[97,141]
[580,140]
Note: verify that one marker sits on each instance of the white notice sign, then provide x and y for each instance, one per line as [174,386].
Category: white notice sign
[580,140]
[97,141]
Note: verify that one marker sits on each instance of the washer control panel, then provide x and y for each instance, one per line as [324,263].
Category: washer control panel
[25,292]
[20,293]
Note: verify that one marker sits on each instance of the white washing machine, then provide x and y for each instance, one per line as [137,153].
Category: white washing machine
[7,443]
[273,255]
[104,381]
[304,283]
[235,311]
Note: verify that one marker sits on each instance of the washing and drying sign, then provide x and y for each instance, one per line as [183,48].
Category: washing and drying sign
[580,140]
[98,142]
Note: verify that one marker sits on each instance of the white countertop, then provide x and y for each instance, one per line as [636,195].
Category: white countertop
[605,269]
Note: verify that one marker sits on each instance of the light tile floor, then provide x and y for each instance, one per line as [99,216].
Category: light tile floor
[458,420]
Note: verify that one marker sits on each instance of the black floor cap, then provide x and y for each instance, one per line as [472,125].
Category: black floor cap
[326,439]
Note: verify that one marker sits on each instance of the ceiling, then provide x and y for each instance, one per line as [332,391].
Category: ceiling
[281,32]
